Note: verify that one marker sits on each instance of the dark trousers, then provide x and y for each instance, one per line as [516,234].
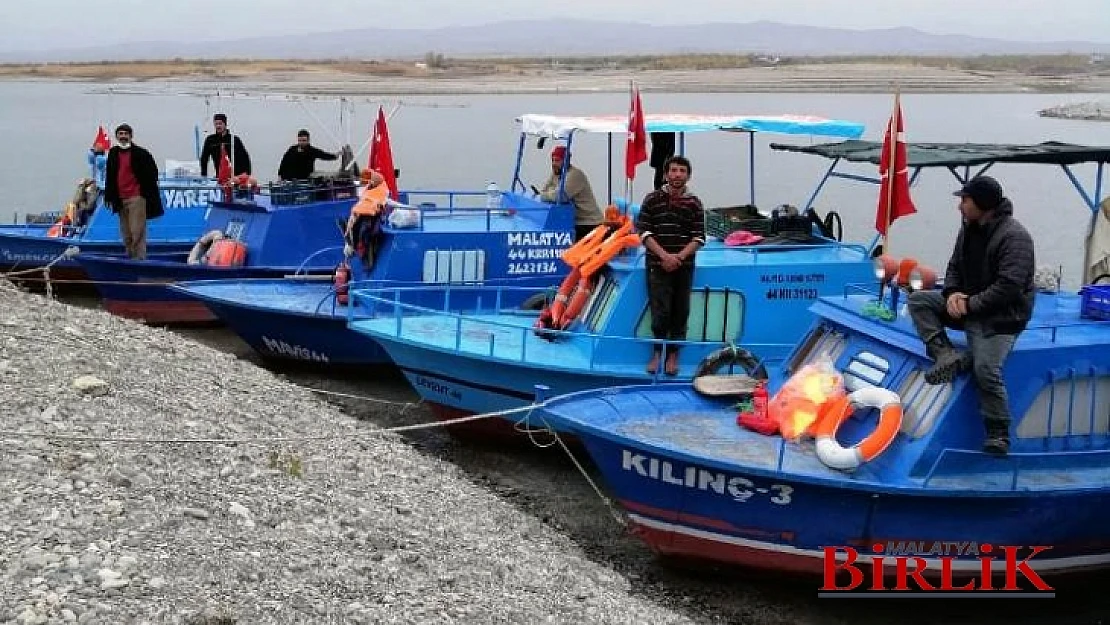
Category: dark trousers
[669,300]
[988,352]
[580,232]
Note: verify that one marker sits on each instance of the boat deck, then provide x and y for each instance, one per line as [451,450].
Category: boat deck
[298,297]
[676,421]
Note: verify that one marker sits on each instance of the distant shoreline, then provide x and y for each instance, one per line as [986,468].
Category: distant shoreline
[524,77]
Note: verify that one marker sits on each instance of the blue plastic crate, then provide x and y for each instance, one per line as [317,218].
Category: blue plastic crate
[1095,303]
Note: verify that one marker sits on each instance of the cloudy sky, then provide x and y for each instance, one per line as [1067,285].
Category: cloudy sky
[50,24]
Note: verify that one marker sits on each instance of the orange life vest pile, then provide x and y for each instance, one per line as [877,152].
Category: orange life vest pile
[586,258]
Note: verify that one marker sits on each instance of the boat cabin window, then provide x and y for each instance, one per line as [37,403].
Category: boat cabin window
[715,316]
[822,341]
[922,403]
[1078,406]
[454,266]
[601,303]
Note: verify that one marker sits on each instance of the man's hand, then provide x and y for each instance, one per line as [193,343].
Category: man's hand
[957,305]
[671,262]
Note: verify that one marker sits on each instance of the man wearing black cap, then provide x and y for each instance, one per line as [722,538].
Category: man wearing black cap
[240,160]
[131,190]
[988,293]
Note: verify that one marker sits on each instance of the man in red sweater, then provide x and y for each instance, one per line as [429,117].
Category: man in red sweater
[131,190]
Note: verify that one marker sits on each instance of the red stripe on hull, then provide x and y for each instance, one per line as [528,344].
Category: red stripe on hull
[672,543]
[161,312]
[493,430]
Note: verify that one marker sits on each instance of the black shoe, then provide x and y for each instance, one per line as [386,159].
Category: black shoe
[950,362]
[996,445]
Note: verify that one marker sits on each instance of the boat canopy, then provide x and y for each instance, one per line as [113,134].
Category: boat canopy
[562,127]
[959,154]
[951,156]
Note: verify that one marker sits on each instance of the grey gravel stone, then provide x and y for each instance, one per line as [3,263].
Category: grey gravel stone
[361,528]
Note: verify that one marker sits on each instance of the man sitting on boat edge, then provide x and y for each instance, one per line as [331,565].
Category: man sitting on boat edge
[577,191]
[988,293]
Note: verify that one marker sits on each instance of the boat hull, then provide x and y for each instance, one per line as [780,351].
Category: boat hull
[721,513]
[454,385]
[139,289]
[288,320]
[21,249]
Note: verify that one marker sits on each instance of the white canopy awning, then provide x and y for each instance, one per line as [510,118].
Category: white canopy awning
[560,127]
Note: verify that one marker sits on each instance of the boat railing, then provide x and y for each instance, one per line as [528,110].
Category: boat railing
[1053,328]
[961,466]
[318,252]
[390,302]
[433,204]
[760,249]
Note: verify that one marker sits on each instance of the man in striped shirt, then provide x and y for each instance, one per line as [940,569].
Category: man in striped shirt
[671,224]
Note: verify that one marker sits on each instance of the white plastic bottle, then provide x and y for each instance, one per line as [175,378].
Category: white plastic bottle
[493,196]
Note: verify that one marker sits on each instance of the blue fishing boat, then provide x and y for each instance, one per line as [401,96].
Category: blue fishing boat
[92,227]
[694,483]
[756,295]
[282,230]
[462,243]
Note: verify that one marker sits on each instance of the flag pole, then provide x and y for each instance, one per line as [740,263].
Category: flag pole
[891,172]
[627,180]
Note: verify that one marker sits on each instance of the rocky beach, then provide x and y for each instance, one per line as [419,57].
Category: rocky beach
[150,479]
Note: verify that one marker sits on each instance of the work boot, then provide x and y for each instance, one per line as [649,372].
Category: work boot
[997,442]
[949,361]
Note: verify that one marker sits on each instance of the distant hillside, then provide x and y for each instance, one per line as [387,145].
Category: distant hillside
[571,37]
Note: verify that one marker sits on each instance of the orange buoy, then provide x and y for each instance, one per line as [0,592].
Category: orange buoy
[227,253]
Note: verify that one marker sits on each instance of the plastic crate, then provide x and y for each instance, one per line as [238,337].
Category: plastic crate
[1095,302]
[721,222]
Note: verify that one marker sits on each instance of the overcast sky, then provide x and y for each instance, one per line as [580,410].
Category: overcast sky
[50,24]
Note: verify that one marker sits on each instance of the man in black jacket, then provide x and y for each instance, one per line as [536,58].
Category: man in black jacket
[988,293]
[240,159]
[299,160]
[131,190]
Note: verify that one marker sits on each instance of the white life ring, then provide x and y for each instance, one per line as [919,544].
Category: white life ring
[836,456]
[200,249]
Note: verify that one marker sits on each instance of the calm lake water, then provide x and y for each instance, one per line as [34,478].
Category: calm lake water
[462,142]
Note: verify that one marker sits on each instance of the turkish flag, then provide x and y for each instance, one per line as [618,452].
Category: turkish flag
[894,190]
[636,150]
[101,142]
[381,155]
[223,174]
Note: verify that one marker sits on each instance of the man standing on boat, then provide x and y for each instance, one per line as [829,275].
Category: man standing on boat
[299,160]
[671,224]
[576,190]
[240,159]
[131,190]
[988,293]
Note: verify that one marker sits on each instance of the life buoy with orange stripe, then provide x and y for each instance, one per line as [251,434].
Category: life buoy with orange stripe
[836,456]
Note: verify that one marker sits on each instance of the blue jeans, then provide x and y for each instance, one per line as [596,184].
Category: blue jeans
[988,352]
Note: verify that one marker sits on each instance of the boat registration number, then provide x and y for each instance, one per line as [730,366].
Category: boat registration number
[518,269]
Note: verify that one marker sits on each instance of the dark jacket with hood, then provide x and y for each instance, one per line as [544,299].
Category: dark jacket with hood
[146,173]
[993,263]
[240,160]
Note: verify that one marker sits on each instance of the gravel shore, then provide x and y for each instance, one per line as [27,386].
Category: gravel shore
[363,527]
[353,527]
